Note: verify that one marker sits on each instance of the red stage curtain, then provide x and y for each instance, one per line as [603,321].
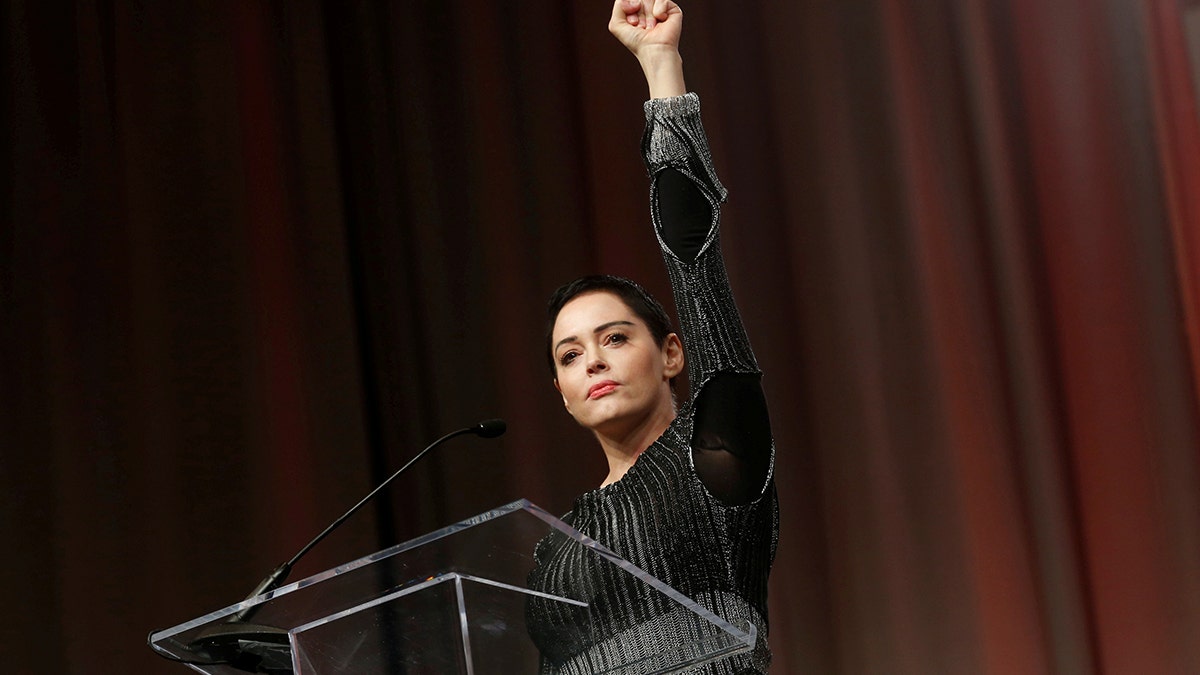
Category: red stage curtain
[256,254]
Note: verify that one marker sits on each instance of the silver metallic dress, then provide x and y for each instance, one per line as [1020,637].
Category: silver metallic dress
[661,515]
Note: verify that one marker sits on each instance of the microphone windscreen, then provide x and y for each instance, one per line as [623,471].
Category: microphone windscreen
[490,428]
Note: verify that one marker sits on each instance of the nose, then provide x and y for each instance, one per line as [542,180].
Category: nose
[597,365]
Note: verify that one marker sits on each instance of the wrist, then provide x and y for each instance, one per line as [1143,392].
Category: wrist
[663,69]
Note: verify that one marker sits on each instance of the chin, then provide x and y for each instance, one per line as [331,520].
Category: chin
[616,422]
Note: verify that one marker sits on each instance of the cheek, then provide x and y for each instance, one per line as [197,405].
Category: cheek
[654,363]
[568,386]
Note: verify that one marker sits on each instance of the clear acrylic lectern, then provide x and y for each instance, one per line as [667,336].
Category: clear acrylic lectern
[453,601]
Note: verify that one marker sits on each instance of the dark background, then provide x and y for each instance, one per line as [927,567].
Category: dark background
[254,255]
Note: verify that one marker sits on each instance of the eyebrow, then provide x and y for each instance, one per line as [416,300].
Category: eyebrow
[598,329]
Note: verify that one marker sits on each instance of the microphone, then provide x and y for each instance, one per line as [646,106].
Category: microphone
[265,649]
[490,428]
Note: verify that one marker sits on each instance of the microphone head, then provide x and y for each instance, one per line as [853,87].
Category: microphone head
[490,428]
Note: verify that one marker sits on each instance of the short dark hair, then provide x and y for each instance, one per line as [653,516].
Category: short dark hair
[630,292]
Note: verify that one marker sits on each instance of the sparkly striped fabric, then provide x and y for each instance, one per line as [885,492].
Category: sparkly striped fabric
[660,516]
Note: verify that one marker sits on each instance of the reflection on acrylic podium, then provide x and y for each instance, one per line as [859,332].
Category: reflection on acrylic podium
[452,601]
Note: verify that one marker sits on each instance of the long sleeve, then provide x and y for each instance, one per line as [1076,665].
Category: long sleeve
[712,328]
[731,440]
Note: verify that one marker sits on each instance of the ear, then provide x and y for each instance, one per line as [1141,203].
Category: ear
[558,387]
[673,358]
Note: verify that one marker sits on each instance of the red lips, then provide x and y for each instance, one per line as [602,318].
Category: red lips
[601,389]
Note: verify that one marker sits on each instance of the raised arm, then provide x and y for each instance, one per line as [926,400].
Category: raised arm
[731,438]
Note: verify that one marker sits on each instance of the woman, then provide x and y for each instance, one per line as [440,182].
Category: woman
[689,495]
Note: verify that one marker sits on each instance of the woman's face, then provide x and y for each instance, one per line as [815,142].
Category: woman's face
[612,374]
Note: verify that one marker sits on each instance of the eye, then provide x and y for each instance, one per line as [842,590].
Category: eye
[617,338]
[567,357]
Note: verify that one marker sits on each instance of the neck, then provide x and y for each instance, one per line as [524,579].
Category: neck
[622,448]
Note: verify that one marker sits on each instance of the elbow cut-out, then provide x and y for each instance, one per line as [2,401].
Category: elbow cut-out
[731,438]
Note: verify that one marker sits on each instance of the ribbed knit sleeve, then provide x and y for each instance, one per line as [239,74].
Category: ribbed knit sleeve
[712,329]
